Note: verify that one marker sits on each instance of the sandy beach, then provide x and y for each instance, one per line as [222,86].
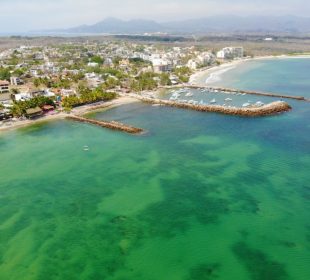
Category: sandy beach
[213,74]
[11,124]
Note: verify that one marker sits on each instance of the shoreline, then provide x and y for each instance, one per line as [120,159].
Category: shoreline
[215,72]
[78,111]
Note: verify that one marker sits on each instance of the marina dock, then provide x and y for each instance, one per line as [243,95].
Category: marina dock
[111,125]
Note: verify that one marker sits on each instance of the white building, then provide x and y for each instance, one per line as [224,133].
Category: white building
[161,65]
[92,64]
[206,58]
[23,96]
[192,64]
[230,53]
[15,81]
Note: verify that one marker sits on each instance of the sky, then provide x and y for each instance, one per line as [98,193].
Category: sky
[28,15]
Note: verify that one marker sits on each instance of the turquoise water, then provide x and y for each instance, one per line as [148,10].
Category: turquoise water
[289,76]
[199,196]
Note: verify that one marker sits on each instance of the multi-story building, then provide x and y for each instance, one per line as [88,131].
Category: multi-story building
[4,87]
[230,53]
[161,65]
[15,81]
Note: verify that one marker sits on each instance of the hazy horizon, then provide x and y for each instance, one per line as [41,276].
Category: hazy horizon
[24,16]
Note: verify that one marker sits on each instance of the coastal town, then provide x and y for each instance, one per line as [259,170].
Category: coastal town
[38,81]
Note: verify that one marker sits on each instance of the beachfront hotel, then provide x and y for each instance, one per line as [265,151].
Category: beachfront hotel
[230,53]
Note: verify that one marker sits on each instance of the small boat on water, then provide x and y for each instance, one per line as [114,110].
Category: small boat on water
[246,105]
[259,103]
[228,99]
[86,148]
[176,95]
[213,101]
[189,94]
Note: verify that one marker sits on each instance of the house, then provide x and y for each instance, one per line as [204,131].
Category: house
[15,81]
[5,114]
[23,96]
[48,108]
[4,86]
[34,113]
[67,92]
[93,64]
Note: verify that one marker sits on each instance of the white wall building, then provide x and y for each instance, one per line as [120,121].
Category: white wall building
[230,53]
[161,65]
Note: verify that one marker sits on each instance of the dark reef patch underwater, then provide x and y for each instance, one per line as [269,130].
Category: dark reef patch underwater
[201,196]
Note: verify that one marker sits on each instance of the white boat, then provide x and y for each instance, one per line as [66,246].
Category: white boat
[189,94]
[228,99]
[213,101]
[246,105]
[176,95]
[259,103]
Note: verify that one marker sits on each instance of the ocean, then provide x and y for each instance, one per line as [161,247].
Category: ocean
[198,196]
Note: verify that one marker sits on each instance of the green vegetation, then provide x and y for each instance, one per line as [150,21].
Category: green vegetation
[183,73]
[87,96]
[97,59]
[5,74]
[55,83]
[165,79]
[19,108]
[144,81]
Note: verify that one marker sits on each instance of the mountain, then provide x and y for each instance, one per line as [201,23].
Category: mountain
[225,24]
[116,26]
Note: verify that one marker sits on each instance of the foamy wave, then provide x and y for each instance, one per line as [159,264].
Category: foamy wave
[216,76]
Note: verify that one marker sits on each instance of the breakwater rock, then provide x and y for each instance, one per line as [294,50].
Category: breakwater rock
[259,93]
[111,125]
[265,110]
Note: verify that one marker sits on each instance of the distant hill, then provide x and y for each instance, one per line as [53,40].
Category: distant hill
[225,24]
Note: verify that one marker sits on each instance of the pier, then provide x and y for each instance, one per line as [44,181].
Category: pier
[233,90]
[111,125]
[265,110]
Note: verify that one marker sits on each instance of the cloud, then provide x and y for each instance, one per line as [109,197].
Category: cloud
[25,15]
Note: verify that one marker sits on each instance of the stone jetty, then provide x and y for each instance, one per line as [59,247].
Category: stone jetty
[111,125]
[233,90]
[265,110]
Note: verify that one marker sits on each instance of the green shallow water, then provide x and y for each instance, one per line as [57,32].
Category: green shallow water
[200,196]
